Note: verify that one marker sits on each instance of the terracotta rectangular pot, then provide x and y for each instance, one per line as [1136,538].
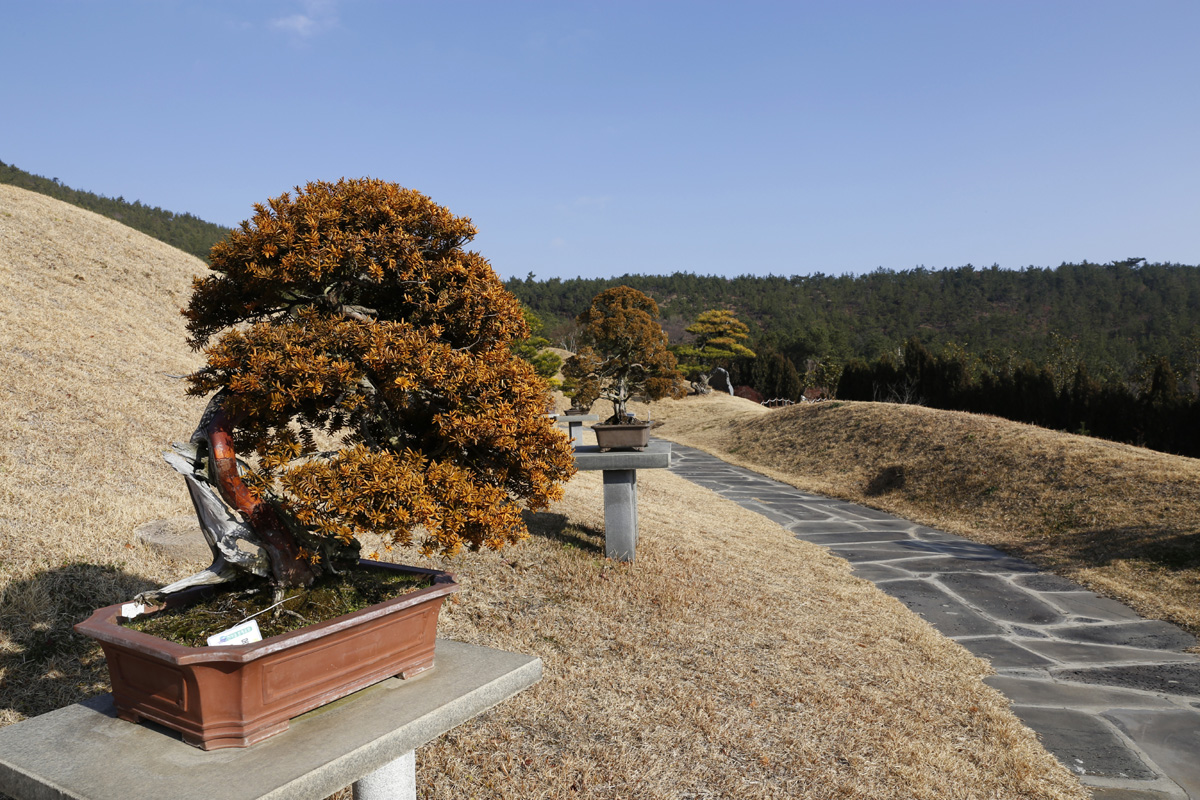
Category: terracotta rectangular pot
[622,437]
[236,695]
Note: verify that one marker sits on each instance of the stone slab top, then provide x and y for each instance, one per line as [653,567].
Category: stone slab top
[656,455]
[84,751]
[577,417]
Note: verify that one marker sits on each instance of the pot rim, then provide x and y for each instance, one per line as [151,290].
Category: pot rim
[104,626]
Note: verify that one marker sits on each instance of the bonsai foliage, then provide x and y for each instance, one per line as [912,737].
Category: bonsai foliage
[353,311]
[624,354]
[719,335]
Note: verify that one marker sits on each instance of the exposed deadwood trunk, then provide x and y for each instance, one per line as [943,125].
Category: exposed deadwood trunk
[283,551]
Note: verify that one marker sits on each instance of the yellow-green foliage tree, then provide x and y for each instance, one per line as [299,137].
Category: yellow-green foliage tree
[352,309]
[719,336]
[624,354]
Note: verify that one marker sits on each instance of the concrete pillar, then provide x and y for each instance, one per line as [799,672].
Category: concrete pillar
[620,514]
[575,430]
[394,781]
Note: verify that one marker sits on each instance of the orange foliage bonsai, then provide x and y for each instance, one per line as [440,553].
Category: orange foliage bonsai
[624,354]
[352,313]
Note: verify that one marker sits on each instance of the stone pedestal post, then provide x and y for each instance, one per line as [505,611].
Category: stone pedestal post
[620,490]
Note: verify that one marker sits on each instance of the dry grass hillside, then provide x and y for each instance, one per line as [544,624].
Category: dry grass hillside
[730,661]
[1123,520]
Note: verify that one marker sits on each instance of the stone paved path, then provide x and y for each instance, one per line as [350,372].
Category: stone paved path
[1111,695]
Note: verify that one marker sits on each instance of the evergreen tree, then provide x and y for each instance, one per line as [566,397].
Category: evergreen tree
[719,336]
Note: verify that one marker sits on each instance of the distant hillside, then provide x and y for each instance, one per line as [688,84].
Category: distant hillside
[1113,315]
[182,231]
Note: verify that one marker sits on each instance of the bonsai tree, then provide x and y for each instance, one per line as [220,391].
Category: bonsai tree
[624,354]
[351,313]
[719,335]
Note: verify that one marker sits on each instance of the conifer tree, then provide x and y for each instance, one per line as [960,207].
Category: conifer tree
[719,336]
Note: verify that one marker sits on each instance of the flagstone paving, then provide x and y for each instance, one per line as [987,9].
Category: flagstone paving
[1111,695]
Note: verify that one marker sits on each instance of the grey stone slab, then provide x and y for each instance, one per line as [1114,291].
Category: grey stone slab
[883,551]
[1045,582]
[1084,744]
[938,564]
[790,506]
[930,535]
[775,516]
[888,524]
[84,751]
[713,485]
[808,515]
[964,548]
[1034,692]
[807,527]
[1073,653]
[959,552]
[856,537]
[862,512]
[949,615]
[1092,605]
[1113,793]
[1001,599]
[176,537]
[1002,653]
[657,455]
[1151,633]
[1170,738]
[1028,633]
[1182,678]
[878,573]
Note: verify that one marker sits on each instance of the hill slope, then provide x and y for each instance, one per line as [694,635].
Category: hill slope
[1123,520]
[90,335]
[189,233]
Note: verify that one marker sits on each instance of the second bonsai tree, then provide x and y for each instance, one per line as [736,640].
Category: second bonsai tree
[624,355]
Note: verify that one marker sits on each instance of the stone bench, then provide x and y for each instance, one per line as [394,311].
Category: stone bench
[368,739]
[620,490]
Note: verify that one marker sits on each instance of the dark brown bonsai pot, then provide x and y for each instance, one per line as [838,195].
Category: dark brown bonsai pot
[628,436]
[236,695]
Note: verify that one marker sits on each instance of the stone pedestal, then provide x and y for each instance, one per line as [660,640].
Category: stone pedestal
[620,490]
[575,424]
[368,739]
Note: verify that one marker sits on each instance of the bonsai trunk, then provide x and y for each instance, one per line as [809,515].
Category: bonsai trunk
[619,397]
[283,551]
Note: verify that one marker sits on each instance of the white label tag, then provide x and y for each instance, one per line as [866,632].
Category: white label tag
[245,633]
[131,610]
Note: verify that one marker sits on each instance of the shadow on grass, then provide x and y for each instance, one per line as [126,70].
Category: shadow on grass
[1163,547]
[556,528]
[45,664]
[889,479]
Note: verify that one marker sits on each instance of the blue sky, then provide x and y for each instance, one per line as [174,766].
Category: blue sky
[601,138]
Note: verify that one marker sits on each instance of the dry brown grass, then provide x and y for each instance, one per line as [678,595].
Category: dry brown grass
[1123,520]
[730,661]
[89,334]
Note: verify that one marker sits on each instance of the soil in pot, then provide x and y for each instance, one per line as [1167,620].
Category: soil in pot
[330,597]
